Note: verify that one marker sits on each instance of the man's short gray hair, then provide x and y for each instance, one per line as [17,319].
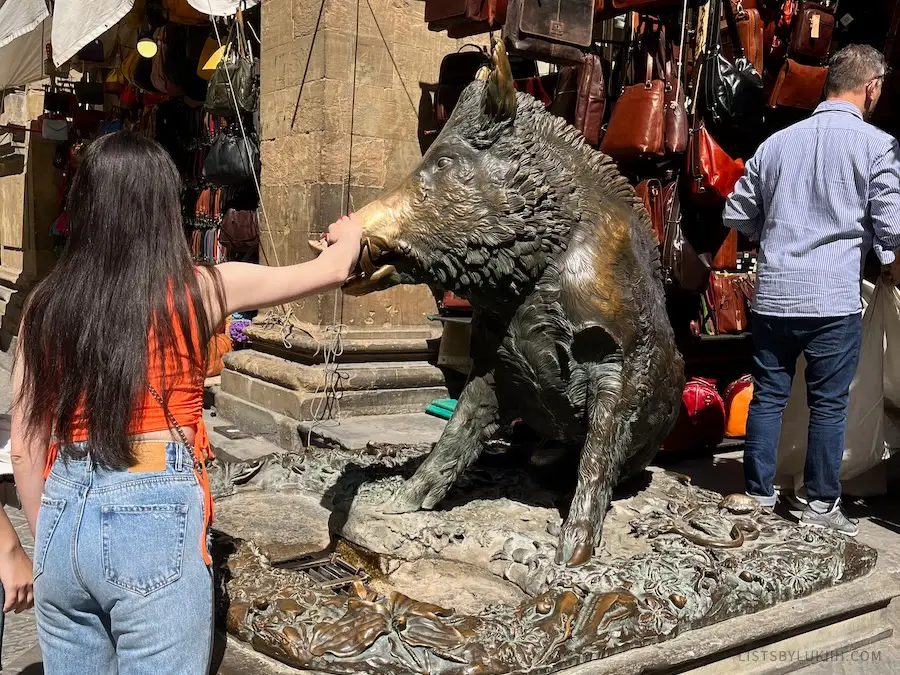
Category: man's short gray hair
[852,67]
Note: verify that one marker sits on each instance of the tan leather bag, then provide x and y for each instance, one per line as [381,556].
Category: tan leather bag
[750,28]
[798,86]
[636,129]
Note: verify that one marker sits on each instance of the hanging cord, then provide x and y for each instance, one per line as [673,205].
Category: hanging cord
[328,408]
[333,347]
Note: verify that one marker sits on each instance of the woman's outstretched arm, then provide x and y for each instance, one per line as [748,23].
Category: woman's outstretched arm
[246,286]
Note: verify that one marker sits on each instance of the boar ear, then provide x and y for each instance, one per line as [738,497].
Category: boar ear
[501,92]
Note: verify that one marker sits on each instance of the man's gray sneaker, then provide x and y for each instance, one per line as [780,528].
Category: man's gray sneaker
[833,520]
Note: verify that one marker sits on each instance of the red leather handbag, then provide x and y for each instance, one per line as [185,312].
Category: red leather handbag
[714,173]
[701,421]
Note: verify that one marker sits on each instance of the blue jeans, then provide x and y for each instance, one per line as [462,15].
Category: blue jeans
[831,348]
[120,584]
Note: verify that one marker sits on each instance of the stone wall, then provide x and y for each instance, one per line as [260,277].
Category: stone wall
[29,190]
[329,118]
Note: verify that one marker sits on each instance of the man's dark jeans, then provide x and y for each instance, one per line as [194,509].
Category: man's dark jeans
[831,347]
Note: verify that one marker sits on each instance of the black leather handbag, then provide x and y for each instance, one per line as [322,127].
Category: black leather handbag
[228,162]
[733,89]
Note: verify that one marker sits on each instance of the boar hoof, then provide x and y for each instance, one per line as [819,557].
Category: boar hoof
[574,548]
[403,501]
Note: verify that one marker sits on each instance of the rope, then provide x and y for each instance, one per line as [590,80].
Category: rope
[328,407]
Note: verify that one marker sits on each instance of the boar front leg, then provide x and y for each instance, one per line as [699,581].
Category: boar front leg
[460,444]
[606,448]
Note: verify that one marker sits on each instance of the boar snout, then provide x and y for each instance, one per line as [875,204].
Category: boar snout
[380,242]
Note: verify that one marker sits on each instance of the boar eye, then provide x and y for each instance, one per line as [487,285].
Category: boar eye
[444,162]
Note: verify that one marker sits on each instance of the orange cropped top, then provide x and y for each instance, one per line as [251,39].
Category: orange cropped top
[184,395]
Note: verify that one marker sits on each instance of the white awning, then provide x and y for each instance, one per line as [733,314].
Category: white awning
[18,17]
[76,23]
[221,7]
[22,59]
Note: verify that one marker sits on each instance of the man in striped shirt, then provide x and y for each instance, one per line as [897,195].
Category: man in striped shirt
[817,196]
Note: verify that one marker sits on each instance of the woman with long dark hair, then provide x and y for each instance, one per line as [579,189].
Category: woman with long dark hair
[108,440]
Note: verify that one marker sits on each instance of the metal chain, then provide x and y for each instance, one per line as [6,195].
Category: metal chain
[171,418]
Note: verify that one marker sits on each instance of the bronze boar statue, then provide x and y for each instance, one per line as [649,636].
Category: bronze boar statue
[511,210]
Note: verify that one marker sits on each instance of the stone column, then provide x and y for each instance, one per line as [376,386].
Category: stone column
[342,83]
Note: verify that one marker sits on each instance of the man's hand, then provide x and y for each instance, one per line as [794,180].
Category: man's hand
[16,577]
[890,274]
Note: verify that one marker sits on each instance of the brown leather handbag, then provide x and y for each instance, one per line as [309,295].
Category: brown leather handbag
[650,192]
[239,231]
[713,172]
[750,29]
[683,268]
[565,96]
[811,33]
[636,128]
[798,86]
[676,115]
[590,108]
[727,304]
[557,31]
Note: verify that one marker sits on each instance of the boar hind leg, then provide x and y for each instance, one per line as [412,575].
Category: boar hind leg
[607,444]
[460,444]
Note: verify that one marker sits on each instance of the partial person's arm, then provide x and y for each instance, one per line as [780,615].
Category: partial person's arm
[884,211]
[744,206]
[15,568]
[28,450]
[246,286]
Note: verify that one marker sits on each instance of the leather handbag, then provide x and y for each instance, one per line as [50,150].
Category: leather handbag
[590,109]
[54,130]
[235,70]
[159,75]
[683,268]
[738,396]
[713,172]
[464,18]
[182,12]
[676,122]
[726,255]
[227,162]
[750,30]
[565,96]
[811,33]
[115,81]
[701,420]
[726,300]
[733,88]
[798,86]
[535,87]
[650,192]
[636,128]
[456,73]
[89,93]
[239,231]
[557,31]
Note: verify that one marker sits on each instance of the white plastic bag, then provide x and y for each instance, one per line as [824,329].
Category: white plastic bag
[873,414]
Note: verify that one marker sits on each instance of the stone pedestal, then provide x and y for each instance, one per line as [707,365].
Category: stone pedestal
[342,85]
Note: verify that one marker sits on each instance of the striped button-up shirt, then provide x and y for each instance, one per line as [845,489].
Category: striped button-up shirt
[817,196]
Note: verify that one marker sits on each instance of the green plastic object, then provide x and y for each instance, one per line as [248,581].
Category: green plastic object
[442,408]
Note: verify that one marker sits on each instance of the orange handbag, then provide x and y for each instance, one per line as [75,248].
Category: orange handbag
[737,405]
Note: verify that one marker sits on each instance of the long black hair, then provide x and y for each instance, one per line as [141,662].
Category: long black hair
[126,270]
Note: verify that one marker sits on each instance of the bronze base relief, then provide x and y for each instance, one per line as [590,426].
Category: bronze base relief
[674,557]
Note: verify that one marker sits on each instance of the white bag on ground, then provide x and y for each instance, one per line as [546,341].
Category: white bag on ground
[873,414]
